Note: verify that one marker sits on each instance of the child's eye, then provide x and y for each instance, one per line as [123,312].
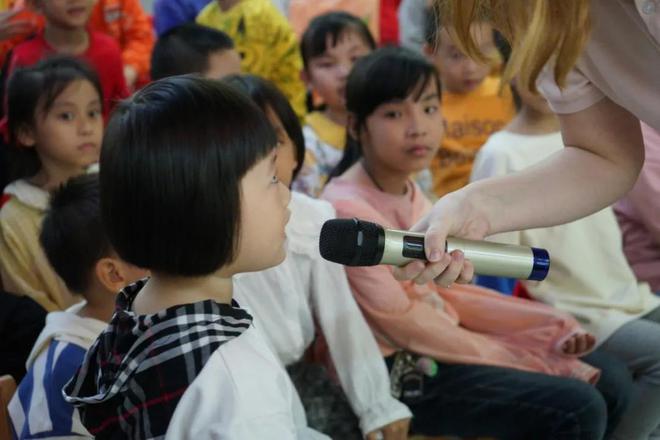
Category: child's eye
[95,114]
[274,180]
[431,109]
[393,114]
[66,116]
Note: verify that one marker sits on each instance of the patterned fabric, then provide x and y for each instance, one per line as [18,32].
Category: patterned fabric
[324,144]
[136,372]
[266,43]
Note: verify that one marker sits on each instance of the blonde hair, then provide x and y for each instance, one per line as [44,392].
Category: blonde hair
[538,31]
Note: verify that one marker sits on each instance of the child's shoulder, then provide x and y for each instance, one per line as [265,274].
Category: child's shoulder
[22,200]
[29,51]
[243,375]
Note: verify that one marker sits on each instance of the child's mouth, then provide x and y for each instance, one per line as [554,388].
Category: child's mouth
[419,151]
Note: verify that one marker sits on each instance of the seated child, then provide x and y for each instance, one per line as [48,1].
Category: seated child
[169,14]
[466,360]
[181,358]
[77,247]
[473,105]
[265,41]
[330,46]
[638,215]
[590,277]
[66,33]
[192,48]
[55,130]
[306,289]
[125,21]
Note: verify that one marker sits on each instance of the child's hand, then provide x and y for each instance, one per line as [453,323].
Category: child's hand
[11,28]
[394,431]
[578,344]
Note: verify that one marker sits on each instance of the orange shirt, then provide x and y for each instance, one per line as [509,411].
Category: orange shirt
[123,20]
[468,120]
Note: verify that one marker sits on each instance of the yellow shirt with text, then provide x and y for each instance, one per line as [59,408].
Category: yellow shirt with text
[468,122]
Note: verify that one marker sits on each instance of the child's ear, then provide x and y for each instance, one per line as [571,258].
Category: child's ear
[109,274]
[114,274]
[26,137]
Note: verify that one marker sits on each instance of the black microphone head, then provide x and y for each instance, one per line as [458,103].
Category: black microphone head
[352,242]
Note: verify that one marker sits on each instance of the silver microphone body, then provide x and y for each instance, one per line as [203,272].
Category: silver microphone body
[488,258]
[354,242]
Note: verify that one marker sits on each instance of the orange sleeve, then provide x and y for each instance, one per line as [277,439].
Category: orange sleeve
[131,27]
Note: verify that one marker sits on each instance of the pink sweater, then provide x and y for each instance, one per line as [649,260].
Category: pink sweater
[639,215]
[463,324]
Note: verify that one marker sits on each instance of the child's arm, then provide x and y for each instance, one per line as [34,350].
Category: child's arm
[138,38]
[354,352]
[20,273]
[486,311]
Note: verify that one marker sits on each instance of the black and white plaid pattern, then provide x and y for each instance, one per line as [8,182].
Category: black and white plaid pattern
[134,375]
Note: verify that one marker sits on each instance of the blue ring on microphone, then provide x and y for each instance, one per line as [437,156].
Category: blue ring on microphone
[541,265]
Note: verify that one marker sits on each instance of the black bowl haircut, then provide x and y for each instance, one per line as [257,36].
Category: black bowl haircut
[171,168]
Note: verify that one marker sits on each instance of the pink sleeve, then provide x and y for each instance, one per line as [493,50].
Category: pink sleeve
[529,322]
[409,321]
[578,94]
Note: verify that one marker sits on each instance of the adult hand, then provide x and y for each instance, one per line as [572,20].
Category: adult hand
[12,28]
[455,214]
[394,431]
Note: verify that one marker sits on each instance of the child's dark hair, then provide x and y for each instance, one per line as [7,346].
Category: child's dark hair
[31,94]
[265,94]
[333,24]
[72,235]
[385,75]
[171,167]
[186,49]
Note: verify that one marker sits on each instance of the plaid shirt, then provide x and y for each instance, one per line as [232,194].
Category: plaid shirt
[138,369]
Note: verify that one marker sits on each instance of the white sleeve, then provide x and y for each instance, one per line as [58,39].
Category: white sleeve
[489,162]
[412,23]
[355,354]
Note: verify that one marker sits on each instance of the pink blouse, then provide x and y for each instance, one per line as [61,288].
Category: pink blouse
[463,324]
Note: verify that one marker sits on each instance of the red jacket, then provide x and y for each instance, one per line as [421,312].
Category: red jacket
[102,54]
[124,20]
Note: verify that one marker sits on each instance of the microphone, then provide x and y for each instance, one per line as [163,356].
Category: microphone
[355,242]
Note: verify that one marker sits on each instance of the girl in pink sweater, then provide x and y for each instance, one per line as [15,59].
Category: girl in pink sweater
[466,360]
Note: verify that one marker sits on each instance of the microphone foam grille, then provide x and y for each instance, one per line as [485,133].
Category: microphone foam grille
[340,242]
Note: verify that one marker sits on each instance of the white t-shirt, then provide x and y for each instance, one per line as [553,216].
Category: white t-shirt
[589,275]
[287,299]
[621,61]
[241,393]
